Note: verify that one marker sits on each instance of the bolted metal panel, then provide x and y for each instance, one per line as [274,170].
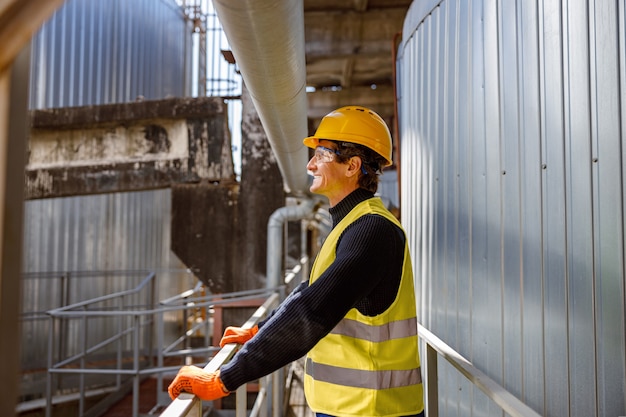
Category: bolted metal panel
[513,196]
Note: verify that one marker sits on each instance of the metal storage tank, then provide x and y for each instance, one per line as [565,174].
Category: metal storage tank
[513,196]
[94,52]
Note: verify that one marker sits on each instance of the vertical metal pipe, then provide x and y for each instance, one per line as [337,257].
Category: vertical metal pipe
[275,238]
[304,248]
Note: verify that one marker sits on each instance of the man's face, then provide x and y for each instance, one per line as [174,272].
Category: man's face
[328,174]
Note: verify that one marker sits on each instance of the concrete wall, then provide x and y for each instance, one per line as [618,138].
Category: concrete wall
[127,147]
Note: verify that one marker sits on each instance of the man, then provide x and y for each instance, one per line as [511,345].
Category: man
[355,318]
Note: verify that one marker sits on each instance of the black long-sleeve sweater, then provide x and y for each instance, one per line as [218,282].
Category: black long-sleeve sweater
[365,275]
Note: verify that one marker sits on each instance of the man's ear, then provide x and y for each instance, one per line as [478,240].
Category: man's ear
[354,166]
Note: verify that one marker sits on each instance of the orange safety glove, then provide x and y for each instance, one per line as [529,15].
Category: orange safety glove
[238,335]
[206,385]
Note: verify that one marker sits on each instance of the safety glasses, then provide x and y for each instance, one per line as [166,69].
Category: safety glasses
[324,154]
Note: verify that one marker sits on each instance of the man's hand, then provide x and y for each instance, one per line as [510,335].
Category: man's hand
[238,335]
[206,385]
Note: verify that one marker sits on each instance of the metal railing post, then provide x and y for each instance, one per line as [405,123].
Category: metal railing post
[432,381]
[263,411]
[160,345]
[119,358]
[277,392]
[81,401]
[150,322]
[241,401]
[496,392]
[136,322]
[182,406]
[49,374]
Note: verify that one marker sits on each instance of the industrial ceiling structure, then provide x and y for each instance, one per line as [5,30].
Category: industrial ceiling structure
[349,50]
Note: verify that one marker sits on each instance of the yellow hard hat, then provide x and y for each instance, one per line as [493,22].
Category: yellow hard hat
[355,124]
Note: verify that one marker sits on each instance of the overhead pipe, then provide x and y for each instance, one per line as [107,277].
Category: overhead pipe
[267,41]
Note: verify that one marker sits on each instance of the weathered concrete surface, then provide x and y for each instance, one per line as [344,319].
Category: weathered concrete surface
[261,194]
[128,147]
[218,227]
[219,230]
[204,232]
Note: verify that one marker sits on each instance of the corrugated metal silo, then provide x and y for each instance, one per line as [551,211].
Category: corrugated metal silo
[513,196]
[94,52]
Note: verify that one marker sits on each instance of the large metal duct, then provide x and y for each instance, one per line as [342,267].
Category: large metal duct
[267,40]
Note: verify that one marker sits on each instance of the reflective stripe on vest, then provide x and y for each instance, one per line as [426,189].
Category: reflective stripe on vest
[363,379]
[388,331]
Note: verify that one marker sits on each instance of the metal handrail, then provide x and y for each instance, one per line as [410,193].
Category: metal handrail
[80,311]
[141,316]
[188,405]
[69,309]
[435,346]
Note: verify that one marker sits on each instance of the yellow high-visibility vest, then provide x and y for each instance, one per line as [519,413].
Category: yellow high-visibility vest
[367,366]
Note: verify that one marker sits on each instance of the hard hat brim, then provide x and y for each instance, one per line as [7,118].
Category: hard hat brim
[311,142]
